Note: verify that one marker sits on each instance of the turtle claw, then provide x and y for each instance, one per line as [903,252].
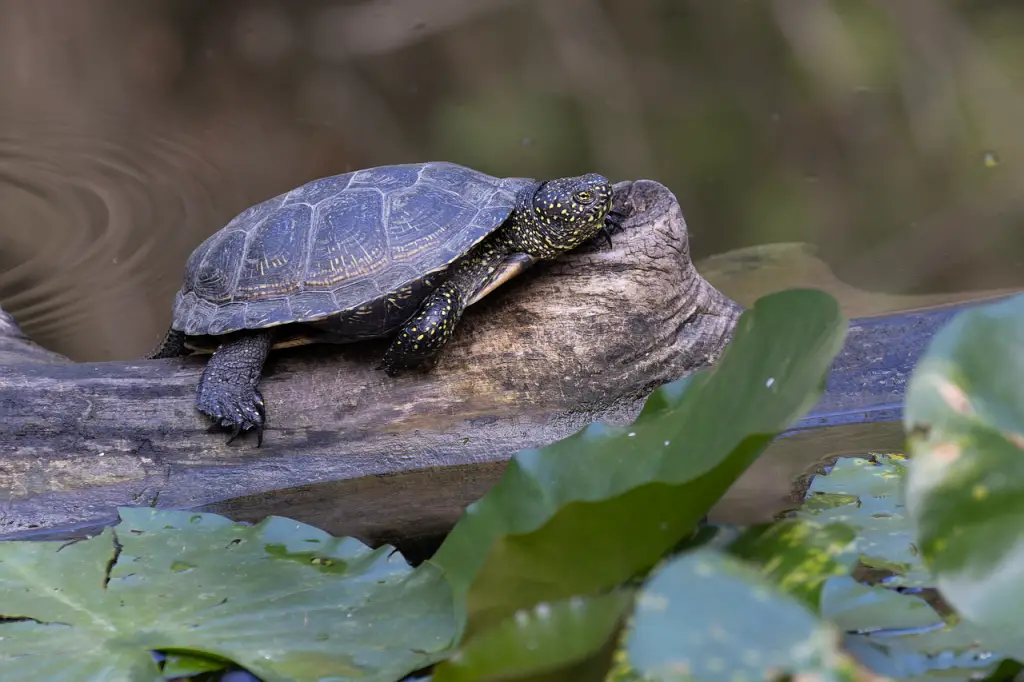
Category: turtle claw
[239,408]
[234,431]
[392,370]
[612,223]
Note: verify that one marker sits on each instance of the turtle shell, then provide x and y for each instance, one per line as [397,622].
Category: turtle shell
[362,248]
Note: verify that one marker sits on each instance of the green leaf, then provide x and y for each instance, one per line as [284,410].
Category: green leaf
[547,638]
[281,599]
[893,634]
[965,493]
[798,556]
[584,514]
[901,636]
[707,616]
[867,495]
[184,665]
[851,605]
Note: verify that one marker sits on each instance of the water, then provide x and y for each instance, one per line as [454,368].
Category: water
[886,135]
[92,224]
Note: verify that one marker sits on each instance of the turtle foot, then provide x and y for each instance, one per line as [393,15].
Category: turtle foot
[394,364]
[236,407]
[418,343]
[227,391]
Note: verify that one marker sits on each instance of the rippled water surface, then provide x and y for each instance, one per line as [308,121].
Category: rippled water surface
[93,226]
[887,135]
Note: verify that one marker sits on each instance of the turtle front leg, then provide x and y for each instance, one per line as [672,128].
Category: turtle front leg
[426,332]
[472,278]
[227,391]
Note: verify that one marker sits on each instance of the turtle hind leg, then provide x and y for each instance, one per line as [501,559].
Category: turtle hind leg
[227,391]
[171,346]
[426,332]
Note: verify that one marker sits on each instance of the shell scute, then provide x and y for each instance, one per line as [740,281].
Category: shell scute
[315,191]
[275,254]
[267,312]
[387,178]
[312,305]
[421,219]
[226,318]
[349,239]
[211,269]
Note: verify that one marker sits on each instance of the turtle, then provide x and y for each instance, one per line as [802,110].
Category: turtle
[394,251]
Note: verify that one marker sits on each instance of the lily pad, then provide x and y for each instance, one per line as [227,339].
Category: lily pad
[284,600]
[798,556]
[184,666]
[705,615]
[867,494]
[965,493]
[544,639]
[584,514]
[856,607]
[900,636]
[894,632]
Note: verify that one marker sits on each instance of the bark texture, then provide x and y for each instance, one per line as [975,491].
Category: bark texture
[346,447]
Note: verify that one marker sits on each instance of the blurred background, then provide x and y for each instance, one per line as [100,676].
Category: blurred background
[887,136]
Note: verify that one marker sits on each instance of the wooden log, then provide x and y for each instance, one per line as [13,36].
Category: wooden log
[346,447]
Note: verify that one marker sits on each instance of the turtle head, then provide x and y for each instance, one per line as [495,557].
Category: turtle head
[561,214]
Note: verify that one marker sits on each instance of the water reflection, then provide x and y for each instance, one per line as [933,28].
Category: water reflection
[91,222]
[883,133]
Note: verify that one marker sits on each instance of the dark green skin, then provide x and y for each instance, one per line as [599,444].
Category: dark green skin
[545,220]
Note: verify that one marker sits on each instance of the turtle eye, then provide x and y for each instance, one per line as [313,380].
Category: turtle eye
[584,197]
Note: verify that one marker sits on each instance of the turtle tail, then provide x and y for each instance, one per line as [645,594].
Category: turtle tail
[171,346]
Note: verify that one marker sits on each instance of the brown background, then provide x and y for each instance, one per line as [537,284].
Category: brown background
[887,134]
